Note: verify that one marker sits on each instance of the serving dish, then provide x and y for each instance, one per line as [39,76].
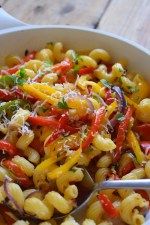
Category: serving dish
[16,37]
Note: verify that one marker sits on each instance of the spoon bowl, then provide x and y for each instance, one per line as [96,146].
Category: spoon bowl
[88,182]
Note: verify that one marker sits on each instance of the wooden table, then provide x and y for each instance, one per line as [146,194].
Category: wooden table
[127,18]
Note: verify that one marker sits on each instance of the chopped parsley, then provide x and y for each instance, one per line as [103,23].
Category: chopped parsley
[120,70]
[21,78]
[105,83]
[79,58]
[120,117]
[133,89]
[22,73]
[42,109]
[96,98]
[63,104]
[15,79]
[10,107]
[76,57]
[73,169]
[120,80]
[48,63]
[76,68]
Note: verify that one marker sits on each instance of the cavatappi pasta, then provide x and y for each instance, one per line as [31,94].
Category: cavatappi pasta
[60,112]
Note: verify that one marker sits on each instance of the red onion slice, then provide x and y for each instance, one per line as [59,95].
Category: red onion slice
[33,193]
[122,104]
[11,198]
[120,97]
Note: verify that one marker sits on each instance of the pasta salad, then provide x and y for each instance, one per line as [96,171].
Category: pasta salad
[63,111]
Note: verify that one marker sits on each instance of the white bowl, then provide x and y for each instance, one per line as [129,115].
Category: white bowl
[17,37]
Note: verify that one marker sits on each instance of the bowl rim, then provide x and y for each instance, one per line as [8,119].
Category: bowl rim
[78,28]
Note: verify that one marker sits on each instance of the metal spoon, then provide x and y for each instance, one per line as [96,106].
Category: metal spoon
[96,187]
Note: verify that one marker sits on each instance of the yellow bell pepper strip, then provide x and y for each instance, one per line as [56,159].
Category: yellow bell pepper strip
[134,144]
[38,94]
[41,170]
[96,125]
[121,135]
[111,108]
[46,89]
[130,102]
[74,158]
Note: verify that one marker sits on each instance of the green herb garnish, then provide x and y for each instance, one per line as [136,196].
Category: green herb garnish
[120,117]
[96,98]
[10,107]
[15,79]
[48,63]
[21,78]
[133,89]
[76,58]
[76,69]
[105,83]
[120,70]
[73,169]
[63,104]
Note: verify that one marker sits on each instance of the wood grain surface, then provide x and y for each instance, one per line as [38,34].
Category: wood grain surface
[127,18]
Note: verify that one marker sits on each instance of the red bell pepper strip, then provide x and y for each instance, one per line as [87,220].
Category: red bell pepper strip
[38,146]
[144,131]
[54,111]
[57,132]
[7,147]
[19,174]
[5,213]
[29,56]
[123,126]
[145,146]
[42,121]
[11,70]
[109,67]
[63,66]
[107,205]
[126,169]
[20,94]
[62,79]
[108,97]
[86,70]
[96,125]
[71,129]
[62,128]
[6,95]
[15,68]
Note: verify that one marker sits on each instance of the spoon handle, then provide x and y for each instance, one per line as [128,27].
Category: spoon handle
[118,184]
